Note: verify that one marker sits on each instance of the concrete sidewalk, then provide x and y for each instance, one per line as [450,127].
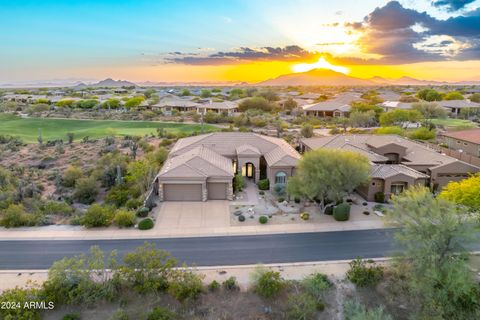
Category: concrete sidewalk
[80,233]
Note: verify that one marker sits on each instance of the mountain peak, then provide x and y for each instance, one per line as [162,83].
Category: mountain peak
[317,77]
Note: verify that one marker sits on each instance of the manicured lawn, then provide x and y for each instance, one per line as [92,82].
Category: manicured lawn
[51,129]
[454,123]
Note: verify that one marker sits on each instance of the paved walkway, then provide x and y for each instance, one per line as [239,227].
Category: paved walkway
[79,233]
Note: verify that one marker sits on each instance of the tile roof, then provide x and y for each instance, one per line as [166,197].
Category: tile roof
[384,171]
[226,144]
[472,135]
[197,162]
[415,154]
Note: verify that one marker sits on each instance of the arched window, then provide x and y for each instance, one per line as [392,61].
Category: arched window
[281,177]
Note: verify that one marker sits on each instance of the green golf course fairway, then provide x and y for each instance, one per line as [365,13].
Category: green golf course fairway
[28,128]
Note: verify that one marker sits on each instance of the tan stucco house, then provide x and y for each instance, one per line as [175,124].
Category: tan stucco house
[397,163]
[201,168]
[467,141]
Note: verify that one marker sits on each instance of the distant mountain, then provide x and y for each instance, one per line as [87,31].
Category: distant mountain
[107,83]
[405,81]
[316,77]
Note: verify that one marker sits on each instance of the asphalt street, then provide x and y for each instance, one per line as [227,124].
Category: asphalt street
[213,251]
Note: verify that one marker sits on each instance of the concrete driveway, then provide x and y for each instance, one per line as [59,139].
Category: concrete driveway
[191,215]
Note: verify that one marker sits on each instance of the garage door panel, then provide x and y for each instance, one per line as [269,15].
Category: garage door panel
[182,192]
[217,191]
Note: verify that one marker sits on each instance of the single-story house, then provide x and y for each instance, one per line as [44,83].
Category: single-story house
[394,105]
[454,107]
[201,168]
[228,107]
[339,106]
[169,103]
[397,163]
[467,141]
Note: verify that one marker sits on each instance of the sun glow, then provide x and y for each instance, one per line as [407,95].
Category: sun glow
[320,64]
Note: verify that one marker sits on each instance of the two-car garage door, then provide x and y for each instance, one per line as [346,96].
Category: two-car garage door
[193,192]
[182,192]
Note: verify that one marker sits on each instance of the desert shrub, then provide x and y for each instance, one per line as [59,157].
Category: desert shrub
[390,130]
[160,313]
[261,192]
[145,224]
[281,199]
[329,210]
[133,203]
[124,218]
[143,212]
[279,189]
[342,212]
[238,182]
[71,175]
[55,207]
[71,316]
[98,216]
[213,286]
[230,284]
[263,184]
[185,285]
[119,315]
[85,190]
[20,296]
[316,285]
[305,216]
[297,199]
[263,219]
[361,274]
[241,218]
[301,307]
[422,134]
[118,195]
[148,269]
[267,283]
[15,216]
[379,197]
[355,311]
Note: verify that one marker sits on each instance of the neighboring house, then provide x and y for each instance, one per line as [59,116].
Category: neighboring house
[201,168]
[394,105]
[467,141]
[397,163]
[330,108]
[227,107]
[300,102]
[336,107]
[454,107]
[169,103]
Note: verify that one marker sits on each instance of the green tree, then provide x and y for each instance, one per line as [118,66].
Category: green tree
[453,95]
[362,119]
[185,93]
[258,103]
[465,192]
[433,235]
[205,93]
[328,175]
[290,104]
[148,269]
[111,103]
[399,117]
[307,131]
[475,97]
[430,111]
[134,102]
[429,95]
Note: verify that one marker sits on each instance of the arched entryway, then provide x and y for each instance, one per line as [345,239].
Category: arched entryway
[248,170]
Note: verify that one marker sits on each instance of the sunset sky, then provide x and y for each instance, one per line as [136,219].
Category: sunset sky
[249,40]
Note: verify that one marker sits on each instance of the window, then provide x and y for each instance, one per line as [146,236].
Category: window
[281,178]
[397,188]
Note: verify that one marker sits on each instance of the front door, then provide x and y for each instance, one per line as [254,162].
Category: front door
[248,170]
